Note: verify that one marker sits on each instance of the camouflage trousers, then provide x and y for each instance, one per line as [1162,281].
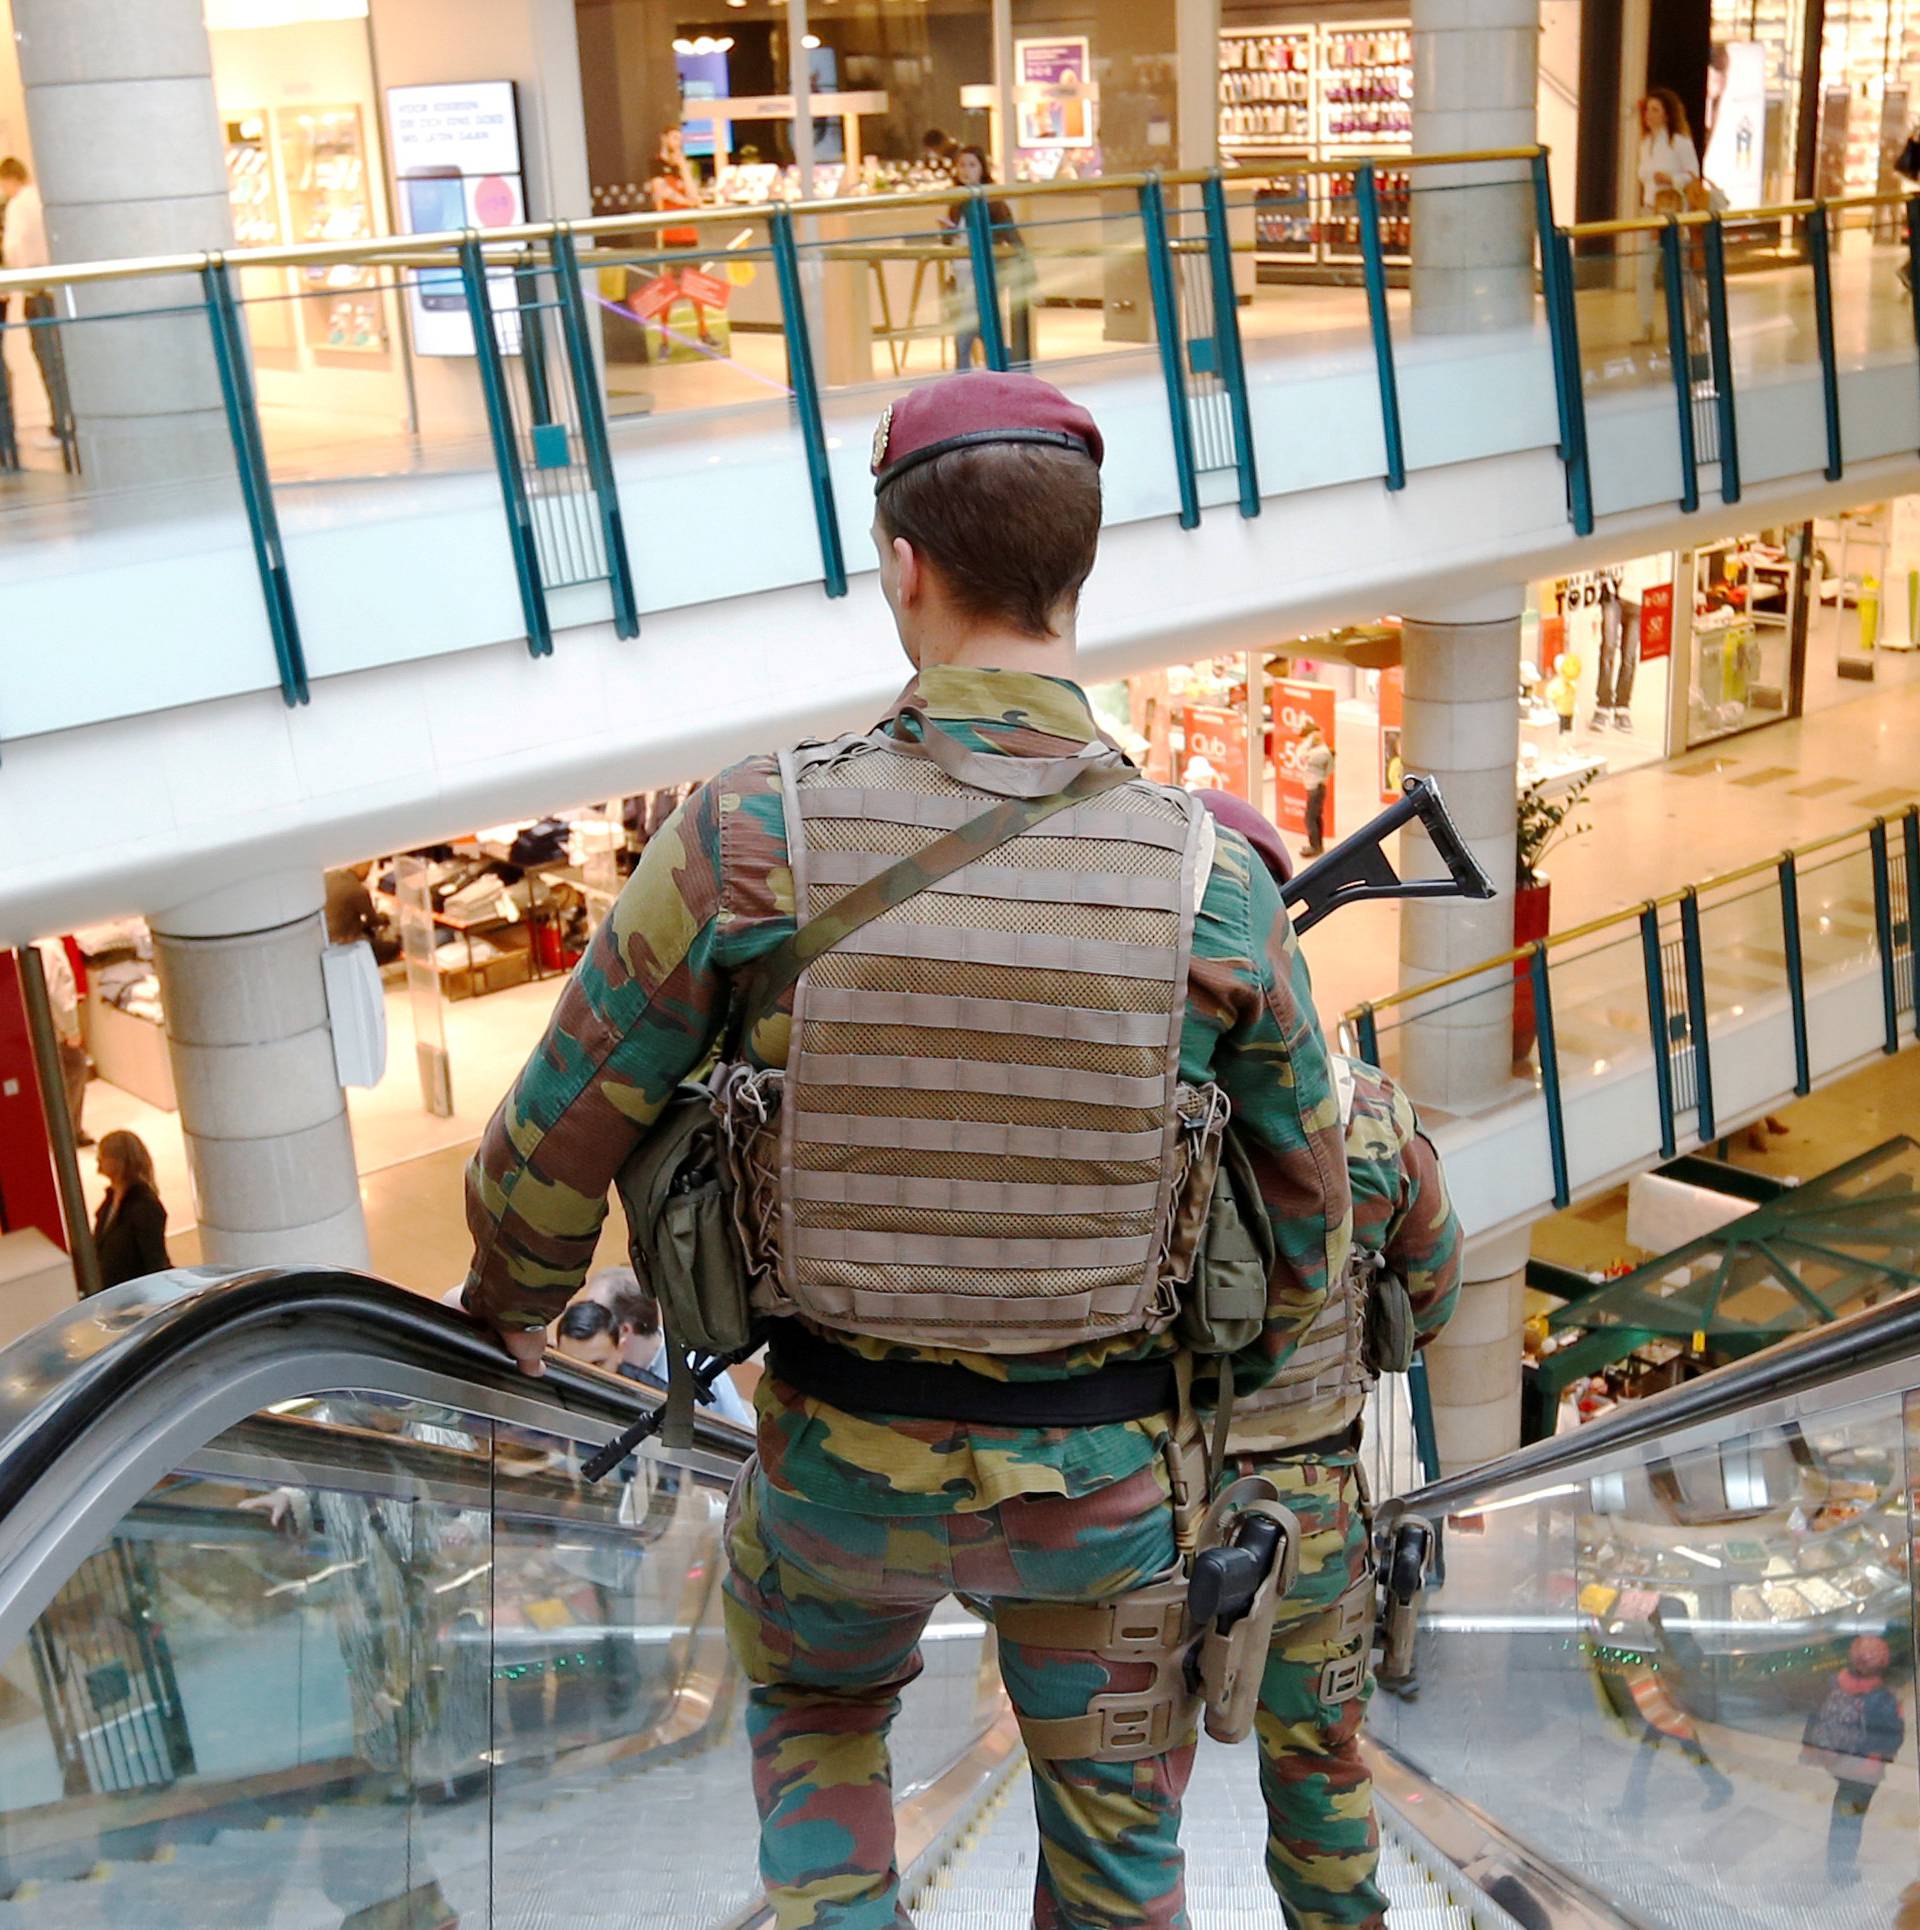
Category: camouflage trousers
[825,1608]
[1323,1844]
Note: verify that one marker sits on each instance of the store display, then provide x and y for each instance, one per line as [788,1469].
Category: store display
[256,208]
[1366,87]
[323,164]
[1266,91]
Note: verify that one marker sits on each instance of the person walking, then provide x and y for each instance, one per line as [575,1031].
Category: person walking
[973,1384]
[63,997]
[23,244]
[1856,1731]
[1304,1432]
[972,169]
[1316,766]
[130,1229]
[1669,165]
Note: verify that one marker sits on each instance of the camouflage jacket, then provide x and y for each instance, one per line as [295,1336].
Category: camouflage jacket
[1400,1211]
[712,894]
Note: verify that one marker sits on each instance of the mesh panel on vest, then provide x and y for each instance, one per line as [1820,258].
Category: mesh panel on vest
[981,1074]
[1325,1381]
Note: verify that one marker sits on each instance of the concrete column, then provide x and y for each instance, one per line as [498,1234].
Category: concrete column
[1475,86]
[1473,1369]
[126,141]
[269,1147]
[1462,726]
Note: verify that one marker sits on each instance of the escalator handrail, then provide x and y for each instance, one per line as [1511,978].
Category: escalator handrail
[1874,1337]
[213,1308]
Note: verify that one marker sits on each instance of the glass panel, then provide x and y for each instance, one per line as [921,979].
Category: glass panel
[1683,1677]
[1468,1040]
[1776,348]
[1838,937]
[1600,1029]
[1744,593]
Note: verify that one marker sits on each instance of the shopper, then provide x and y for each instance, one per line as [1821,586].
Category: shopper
[1316,766]
[940,152]
[23,244]
[1015,266]
[674,185]
[615,1326]
[63,997]
[352,916]
[130,1229]
[1639,1684]
[1669,166]
[1856,1731]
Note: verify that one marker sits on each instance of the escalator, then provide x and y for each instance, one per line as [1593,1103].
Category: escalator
[307,1619]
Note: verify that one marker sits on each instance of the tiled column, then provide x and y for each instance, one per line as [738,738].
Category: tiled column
[127,151]
[1475,84]
[1473,1369]
[269,1146]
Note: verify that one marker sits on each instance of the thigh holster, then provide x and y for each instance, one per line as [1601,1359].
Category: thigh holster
[1347,1625]
[1147,1627]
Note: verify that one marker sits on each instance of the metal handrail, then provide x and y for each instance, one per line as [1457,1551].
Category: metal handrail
[1626,915]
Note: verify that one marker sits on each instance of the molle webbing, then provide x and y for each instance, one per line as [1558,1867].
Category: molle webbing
[977,1119]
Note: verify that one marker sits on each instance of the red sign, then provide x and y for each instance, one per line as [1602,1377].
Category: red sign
[654,298]
[710,291]
[1393,689]
[1656,622]
[493,203]
[1218,736]
[1296,706]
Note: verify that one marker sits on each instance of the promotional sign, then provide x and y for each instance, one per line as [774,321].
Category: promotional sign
[455,149]
[1734,160]
[1393,697]
[1050,94]
[1656,621]
[1296,706]
[1216,756]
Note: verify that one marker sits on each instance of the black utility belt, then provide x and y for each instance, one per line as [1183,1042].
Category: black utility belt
[916,1390]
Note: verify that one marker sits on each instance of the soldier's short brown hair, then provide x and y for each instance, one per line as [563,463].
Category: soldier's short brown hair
[1011,527]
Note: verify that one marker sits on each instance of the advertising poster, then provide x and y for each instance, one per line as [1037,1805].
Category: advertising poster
[1296,707]
[1393,694]
[455,150]
[1656,621]
[1052,110]
[1216,756]
[1735,157]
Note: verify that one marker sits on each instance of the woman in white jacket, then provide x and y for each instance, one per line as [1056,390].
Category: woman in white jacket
[1669,166]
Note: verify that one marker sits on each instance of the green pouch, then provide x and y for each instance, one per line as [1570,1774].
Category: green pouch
[1224,1305]
[677,1195]
[1390,1335]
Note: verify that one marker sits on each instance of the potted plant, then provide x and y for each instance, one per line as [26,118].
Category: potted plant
[1541,823]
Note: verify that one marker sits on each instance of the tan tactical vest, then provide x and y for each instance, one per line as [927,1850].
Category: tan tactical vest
[1325,1383]
[977,1121]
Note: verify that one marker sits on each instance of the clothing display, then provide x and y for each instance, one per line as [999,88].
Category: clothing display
[131,987]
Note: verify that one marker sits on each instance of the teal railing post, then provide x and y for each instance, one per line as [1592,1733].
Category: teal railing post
[1796,970]
[1366,1034]
[1550,294]
[9,436]
[1714,238]
[1657,1027]
[1672,270]
[1883,931]
[986,279]
[1696,970]
[256,483]
[591,412]
[1550,1073]
[1426,1440]
[806,398]
[1226,331]
[1820,242]
[1567,338]
[1910,843]
[533,342]
[506,454]
[1366,194]
[1166,328]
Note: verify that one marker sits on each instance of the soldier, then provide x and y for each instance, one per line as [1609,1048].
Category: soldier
[1303,1432]
[972,1384]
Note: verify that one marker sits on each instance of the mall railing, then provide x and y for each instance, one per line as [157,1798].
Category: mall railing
[1703,967]
[786,325]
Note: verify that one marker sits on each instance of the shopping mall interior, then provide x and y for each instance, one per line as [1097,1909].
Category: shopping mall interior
[437,439]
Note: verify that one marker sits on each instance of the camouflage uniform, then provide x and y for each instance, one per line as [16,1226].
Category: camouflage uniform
[847,1530]
[1322,1841]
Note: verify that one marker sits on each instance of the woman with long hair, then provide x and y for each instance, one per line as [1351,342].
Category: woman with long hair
[130,1229]
[1669,166]
[972,169]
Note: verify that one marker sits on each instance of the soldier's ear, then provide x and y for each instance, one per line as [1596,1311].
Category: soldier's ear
[909,572]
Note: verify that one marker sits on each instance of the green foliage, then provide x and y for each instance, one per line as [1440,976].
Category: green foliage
[1543,823]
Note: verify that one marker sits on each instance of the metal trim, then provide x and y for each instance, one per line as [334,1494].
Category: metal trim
[1226,329]
[1720,340]
[1819,243]
[1657,1026]
[1579,475]
[1681,360]
[986,280]
[1550,1074]
[1697,1012]
[806,399]
[1796,971]
[1166,329]
[1366,194]
[1883,933]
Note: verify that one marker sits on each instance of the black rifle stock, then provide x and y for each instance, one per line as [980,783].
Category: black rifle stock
[1357,868]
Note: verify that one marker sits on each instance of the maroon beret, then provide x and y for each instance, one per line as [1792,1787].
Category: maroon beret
[979,406]
[1238,815]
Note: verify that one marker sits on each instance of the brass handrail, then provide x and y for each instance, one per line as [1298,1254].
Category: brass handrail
[395,250]
[1627,915]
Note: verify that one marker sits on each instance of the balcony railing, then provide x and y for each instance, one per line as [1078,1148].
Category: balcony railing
[580,376]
